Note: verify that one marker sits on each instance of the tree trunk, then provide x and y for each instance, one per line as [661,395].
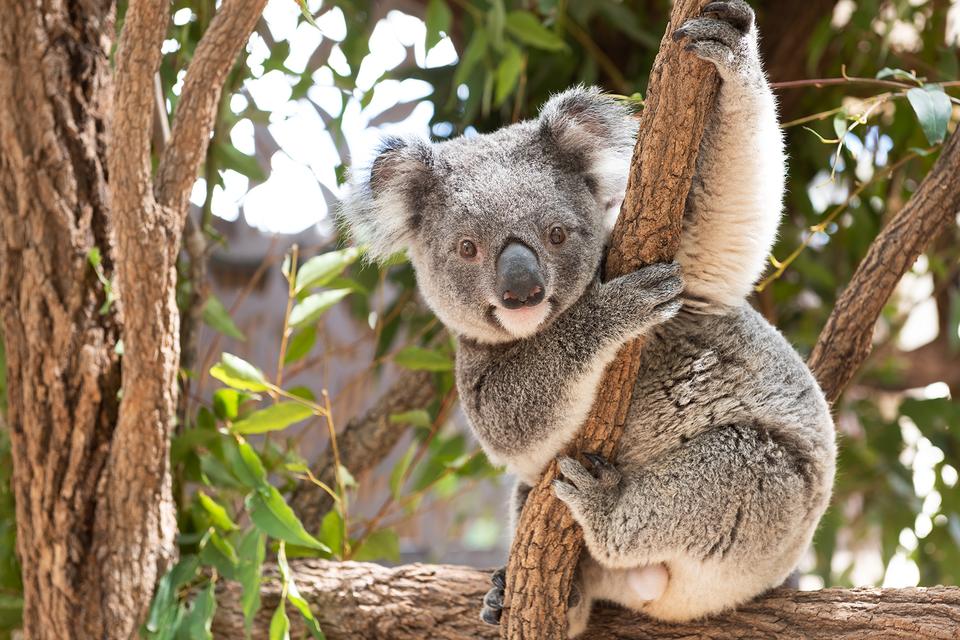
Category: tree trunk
[63,373]
[90,443]
[361,601]
[547,544]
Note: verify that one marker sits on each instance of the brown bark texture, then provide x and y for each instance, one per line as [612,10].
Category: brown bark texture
[845,341]
[547,543]
[95,517]
[363,443]
[363,601]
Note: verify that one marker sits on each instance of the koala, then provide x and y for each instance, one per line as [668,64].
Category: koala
[727,459]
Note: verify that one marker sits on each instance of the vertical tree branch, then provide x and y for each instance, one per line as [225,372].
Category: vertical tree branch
[547,543]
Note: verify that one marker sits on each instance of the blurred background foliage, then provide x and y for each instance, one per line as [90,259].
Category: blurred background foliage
[347,346]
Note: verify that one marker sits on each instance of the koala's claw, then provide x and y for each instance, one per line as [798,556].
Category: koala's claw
[737,13]
[607,476]
[493,599]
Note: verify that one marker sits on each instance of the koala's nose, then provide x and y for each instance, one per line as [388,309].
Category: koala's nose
[518,282]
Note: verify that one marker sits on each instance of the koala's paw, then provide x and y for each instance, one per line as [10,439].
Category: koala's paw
[724,35]
[646,297]
[493,600]
[590,496]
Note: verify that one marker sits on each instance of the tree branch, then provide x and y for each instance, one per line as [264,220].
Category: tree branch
[547,543]
[364,442]
[846,339]
[363,601]
[197,109]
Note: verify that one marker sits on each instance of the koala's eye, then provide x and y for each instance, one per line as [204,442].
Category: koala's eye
[557,235]
[468,249]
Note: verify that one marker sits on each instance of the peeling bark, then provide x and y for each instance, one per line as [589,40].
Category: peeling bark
[361,601]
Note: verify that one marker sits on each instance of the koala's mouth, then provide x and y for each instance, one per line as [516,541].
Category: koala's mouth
[522,322]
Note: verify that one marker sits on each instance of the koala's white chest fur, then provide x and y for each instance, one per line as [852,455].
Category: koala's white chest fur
[529,464]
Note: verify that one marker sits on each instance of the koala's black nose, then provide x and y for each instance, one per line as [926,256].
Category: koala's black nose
[519,283]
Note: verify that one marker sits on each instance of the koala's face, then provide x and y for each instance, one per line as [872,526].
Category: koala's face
[506,230]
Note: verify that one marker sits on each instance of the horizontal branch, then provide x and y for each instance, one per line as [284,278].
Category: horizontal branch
[367,601]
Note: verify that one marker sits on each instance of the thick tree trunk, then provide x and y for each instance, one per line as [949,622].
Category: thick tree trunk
[547,544]
[62,370]
[361,601]
[95,517]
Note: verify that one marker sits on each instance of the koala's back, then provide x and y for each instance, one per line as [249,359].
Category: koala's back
[701,372]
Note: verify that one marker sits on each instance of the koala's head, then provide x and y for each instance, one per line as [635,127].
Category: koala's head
[505,230]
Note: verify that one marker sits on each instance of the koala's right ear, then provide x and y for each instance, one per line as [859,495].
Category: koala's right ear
[383,207]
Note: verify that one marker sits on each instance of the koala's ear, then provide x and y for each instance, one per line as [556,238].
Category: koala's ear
[598,131]
[383,207]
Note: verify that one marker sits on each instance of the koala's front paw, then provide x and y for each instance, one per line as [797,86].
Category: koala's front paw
[590,496]
[724,35]
[493,600]
[645,297]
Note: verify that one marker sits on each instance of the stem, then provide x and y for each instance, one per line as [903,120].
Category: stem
[345,549]
[291,295]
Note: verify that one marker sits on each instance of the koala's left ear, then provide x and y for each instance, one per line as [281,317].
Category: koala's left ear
[383,207]
[598,131]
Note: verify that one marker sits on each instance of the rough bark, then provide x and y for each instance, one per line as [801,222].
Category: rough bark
[362,601]
[63,375]
[846,339]
[363,442]
[94,513]
[547,543]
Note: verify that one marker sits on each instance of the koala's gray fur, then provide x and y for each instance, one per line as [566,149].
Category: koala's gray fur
[727,460]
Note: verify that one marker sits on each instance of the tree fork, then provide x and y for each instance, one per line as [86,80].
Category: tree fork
[547,544]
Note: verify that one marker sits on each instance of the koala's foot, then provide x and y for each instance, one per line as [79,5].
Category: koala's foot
[578,611]
[724,35]
[493,600]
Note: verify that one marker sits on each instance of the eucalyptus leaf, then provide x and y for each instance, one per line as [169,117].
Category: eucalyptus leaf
[312,307]
[273,418]
[933,109]
[418,358]
[525,27]
[218,514]
[274,517]
[320,270]
[238,373]
[216,316]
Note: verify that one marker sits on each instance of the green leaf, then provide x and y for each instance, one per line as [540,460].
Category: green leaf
[899,74]
[218,553]
[163,608]
[215,315]
[228,156]
[933,109]
[273,418]
[218,514]
[279,623]
[417,418]
[246,465]
[418,358]
[320,270]
[305,12]
[399,470]
[438,19]
[272,515]
[525,27]
[314,306]
[226,403]
[331,530]
[472,55]
[251,551]
[495,22]
[300,344]
[382,544]
[238,373]
[294,597]
[196,624]
[508,73]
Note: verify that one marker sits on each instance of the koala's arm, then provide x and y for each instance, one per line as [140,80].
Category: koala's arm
[525,399]
[735,202]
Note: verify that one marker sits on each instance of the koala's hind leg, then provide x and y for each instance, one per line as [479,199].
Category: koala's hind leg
[729,513]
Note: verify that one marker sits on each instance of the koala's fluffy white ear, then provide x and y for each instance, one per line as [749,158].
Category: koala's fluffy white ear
[382,208]
[599,131]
